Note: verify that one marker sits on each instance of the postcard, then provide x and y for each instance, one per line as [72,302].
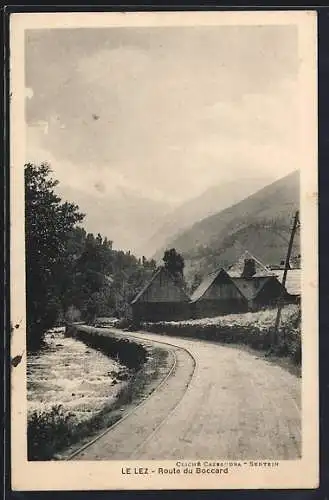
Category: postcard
[164,249]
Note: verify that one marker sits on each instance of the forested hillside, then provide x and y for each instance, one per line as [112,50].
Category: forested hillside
[75,275]
[211,201]
[260,223]
[71,274]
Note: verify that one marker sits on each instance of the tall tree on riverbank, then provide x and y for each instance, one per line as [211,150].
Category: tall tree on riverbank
[70,272]
[48,223]
[174,263]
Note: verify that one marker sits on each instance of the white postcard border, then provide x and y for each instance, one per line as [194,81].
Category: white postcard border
[40,476]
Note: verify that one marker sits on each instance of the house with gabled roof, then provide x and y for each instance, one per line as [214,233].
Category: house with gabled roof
[248,266]
[246,285]
[257,282]
[217,294]
[162,298]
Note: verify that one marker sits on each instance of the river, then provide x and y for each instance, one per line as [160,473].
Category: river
[66,372]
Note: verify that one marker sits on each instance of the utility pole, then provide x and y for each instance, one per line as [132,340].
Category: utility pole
[285,272]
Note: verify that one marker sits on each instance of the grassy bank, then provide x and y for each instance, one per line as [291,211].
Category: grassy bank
[49,432]
[253,329]
[55,433]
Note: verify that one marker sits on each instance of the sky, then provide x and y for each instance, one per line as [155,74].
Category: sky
[162,113]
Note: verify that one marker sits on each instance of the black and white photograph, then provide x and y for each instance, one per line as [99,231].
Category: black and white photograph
[164,257]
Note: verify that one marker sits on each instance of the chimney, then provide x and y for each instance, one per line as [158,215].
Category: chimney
[249,268]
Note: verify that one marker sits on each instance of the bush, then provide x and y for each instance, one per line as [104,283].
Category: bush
[48,431]
[253,328]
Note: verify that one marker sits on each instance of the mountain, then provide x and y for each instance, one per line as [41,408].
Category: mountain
[260,223]
[211,201]
[122,215]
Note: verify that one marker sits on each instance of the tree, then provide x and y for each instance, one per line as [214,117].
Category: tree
[91,276]
[174,263]
[101,281]
[96,305]
[48,224]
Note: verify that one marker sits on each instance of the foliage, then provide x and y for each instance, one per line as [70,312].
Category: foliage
[51,431]
[48,222]
[48,431]
[104,280]
[253,328]
[173,262]
[71,274]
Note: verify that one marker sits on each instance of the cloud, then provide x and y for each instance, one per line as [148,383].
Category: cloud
[159,114]
[177,113]
[94,177]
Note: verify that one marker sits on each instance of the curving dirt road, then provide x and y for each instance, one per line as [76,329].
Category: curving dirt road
[220,402]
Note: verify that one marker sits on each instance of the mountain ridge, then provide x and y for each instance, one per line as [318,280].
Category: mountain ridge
[209,202]
[260,223]
[119,215]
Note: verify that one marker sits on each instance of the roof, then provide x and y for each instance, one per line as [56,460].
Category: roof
[293,281]
[246,286]
[236,270]
[206,284]
[161,269]
[146,286]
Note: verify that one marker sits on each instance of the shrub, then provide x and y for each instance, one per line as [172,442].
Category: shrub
[253,328]
[48,431]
